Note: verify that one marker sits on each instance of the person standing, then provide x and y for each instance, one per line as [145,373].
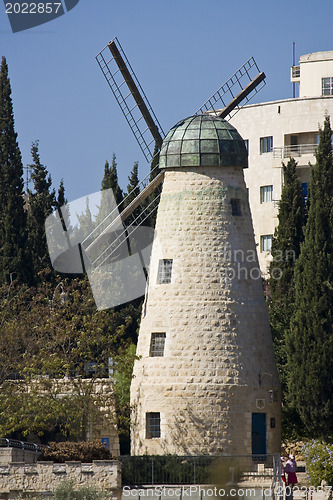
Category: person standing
[290,469]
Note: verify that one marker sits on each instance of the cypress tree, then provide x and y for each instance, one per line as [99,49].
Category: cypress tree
[132,191]
[286,248]
[110,180]
[41,203]
[133,182]
[61,199]
[310,340]
[14,257]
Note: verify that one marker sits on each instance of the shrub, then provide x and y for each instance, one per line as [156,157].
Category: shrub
[67,451]
[319,462]
[66,491]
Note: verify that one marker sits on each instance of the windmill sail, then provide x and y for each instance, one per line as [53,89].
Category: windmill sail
[131,98]
[239,88]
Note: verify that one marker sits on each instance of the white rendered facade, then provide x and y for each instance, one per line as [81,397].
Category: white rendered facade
[278,130]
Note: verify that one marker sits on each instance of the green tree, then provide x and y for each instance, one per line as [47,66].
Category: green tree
[14,257]
[61,199]
[133,184]
[133,191]
[110,180]
[123,373]
[286,248]
[55,348]
[109,203]
[42,200]
[310,340]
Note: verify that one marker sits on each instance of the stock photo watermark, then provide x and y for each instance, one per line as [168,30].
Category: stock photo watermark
[243,264]
[198,491]
[24,15]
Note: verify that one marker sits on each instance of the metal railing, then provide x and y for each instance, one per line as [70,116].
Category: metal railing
[294,151]
[14,443]
[172,469]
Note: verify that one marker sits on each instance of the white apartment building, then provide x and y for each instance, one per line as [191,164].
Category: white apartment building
[274,132]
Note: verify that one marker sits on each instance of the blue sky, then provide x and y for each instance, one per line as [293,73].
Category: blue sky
[181,51]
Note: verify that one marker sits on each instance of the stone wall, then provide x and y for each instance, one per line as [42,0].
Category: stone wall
[17,455]
[44,477]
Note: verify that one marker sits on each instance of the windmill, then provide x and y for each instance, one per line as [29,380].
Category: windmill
[204,339]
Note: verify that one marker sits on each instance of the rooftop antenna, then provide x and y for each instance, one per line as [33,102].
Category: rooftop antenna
[294,85]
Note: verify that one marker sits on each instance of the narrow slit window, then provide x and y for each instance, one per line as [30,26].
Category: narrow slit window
[236,206]
[157,344]
[153,425]
[164,271]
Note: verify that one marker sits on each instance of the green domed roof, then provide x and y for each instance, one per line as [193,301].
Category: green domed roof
[203,140]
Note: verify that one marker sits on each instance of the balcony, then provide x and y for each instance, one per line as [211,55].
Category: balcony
[294,151]
[295,74]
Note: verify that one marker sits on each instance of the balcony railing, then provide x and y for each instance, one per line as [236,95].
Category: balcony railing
[295,73]
[294,151]
[13,443]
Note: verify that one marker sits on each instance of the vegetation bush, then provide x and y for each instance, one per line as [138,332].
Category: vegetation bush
[319,462]
[83,451]
[66,491]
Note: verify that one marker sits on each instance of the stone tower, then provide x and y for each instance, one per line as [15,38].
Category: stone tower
[206,380]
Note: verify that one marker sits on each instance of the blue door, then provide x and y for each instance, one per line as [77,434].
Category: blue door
[259,434]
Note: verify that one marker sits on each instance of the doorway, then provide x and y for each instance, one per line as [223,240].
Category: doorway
[259,434]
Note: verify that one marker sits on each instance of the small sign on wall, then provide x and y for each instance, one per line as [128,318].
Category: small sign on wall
[106,442]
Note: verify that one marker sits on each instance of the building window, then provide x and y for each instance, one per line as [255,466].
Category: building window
[327,86]
[164,271]
[266,194]
[305,191]
[157,345]
[273,393]
[153,425]
[266,242]
[246,143]
[236,206]
[266,144]
[318,139]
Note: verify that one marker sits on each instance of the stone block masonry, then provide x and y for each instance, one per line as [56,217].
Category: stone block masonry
[42,478]
[217,371]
